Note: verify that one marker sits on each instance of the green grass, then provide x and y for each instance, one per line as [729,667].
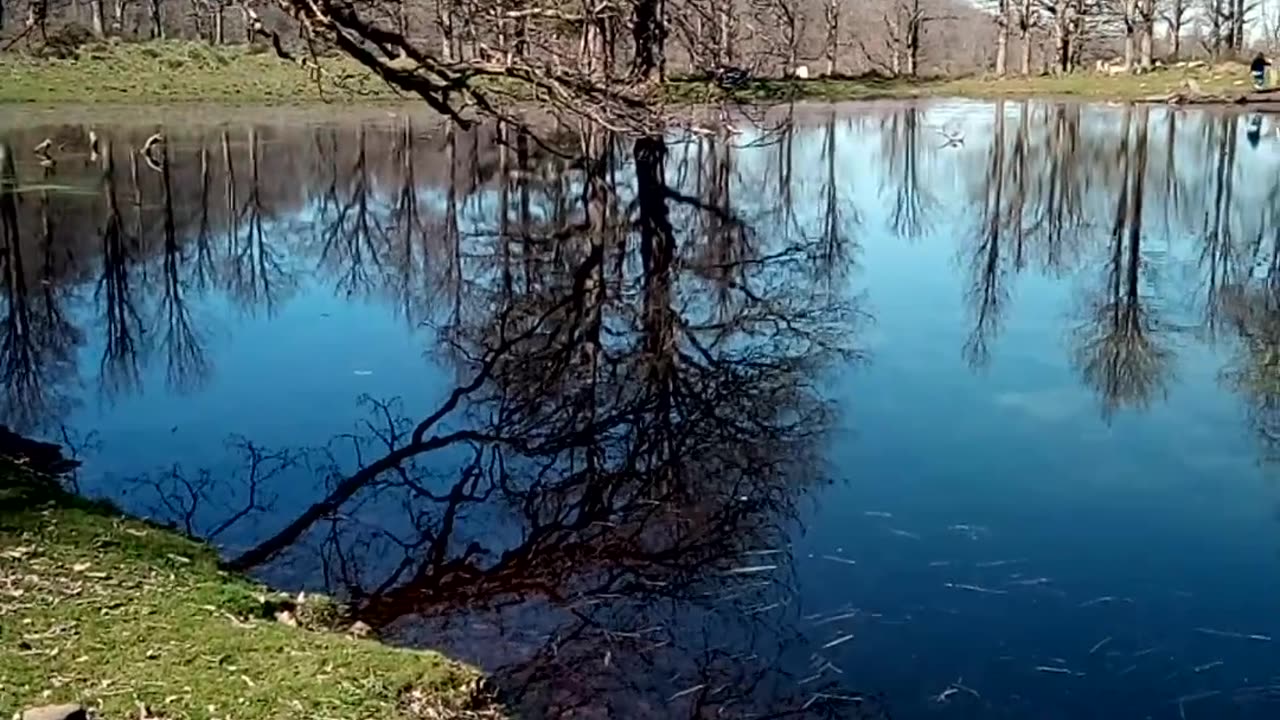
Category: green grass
[1230,79]
[179,72]
[174,72]
[111,612]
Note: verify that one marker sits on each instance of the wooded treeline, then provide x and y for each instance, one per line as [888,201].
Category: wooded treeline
[679,37]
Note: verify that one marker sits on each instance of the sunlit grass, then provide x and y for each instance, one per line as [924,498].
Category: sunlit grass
[111,612]
[179,72]
[188,72]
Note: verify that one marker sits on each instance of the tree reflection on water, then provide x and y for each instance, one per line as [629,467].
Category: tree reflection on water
[599,510]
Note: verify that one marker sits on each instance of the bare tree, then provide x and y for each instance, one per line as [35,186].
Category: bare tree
[97,19]
[1028,20]
[156,15]
[1003,10]
[1175,14]
[1127,15]
[832,47]
[906,23]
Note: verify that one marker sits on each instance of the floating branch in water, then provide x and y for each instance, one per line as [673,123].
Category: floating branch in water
[975,588]
[1104,600]
[955,688]
[1236,635]
[1030,582]
[973,531]
[838,641]
[1198,696]
[686,691]
[828,696]
[750,569]
[837,558]
[836,618]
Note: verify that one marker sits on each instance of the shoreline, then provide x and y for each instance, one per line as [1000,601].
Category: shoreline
[189,74]
[108,611]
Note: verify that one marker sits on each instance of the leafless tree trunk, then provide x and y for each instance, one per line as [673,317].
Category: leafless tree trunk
[157,19]
[1128,10]
[1147,31]
[1238,12]
[1026,22]
[648,35]
[1002,37]
[37,17]
[833,35]
[1175,15]
[1217,13]
[97,22]
[444,21]
[726,28]
[905,26]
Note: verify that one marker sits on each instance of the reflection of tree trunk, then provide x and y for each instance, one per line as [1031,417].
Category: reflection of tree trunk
[408,222]
[120,369]
[525,167]
[19,363]
[1062,199]
[1218,236]
[657,253]
[834,255]
[785,158]
[452,242]
[907,217]
[204,269]
[986,292]
[504,208]
[184,355]
[657,244]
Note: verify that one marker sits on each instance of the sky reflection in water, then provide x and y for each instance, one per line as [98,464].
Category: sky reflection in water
[977,431]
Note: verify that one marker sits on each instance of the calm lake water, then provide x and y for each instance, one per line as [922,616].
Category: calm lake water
[955,410]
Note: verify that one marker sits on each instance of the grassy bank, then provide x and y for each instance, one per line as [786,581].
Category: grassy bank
[179,72]
[1225,80]
[185,72]
[113,612]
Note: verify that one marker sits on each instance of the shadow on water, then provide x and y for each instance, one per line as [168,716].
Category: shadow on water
[634,342]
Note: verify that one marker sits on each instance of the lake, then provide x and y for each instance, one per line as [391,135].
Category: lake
[949,410]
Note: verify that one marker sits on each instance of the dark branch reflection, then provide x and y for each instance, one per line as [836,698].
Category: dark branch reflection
[640,330]
[1119,348]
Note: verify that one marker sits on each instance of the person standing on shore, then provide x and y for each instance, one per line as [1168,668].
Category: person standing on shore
[1258,68]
